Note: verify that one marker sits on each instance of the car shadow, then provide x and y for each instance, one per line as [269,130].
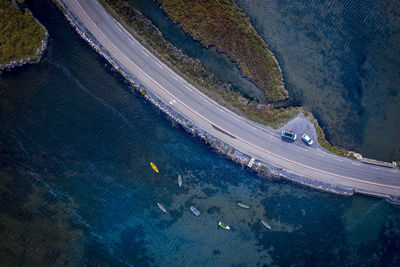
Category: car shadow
[287,140]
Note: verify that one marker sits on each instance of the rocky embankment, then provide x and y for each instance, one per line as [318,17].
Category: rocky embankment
[261,168]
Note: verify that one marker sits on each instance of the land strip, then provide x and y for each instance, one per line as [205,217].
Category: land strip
[222,24]
[192,70]
[254,140]
[23,38]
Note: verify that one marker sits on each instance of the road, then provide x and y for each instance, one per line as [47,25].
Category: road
[247,137]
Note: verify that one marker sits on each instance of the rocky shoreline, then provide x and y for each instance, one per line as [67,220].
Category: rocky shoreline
[28,60]
[262,168]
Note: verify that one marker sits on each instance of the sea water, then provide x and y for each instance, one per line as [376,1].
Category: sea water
[77,187]
[341,59]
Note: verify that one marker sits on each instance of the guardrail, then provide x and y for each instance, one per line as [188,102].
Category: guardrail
[378,162]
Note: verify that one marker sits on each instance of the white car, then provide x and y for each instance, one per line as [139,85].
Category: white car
[307,139]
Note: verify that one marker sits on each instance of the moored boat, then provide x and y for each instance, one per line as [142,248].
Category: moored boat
[179,180]
[242,205]
[224,225]
[266,224]
[195,210]
[161,206]
[154,167]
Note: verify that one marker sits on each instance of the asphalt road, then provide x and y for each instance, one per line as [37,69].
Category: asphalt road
[248,137]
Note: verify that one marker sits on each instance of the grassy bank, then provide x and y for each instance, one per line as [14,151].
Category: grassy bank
[221,23]
[21,35]
[192,69]
[325,143]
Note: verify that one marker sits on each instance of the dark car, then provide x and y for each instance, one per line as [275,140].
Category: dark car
[288,135]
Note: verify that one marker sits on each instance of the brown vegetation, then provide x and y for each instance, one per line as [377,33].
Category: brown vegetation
[192,69]
[222,24]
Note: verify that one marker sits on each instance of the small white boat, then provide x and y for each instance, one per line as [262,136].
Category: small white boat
[266,224]
[242,205]
[223,225]
[179,180]
[161,206]
[195,210]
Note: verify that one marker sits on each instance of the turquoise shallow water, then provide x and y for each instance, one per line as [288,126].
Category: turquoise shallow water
[77,187]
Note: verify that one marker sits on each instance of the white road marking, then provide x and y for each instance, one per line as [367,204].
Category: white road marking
[179,91]
[253,145]
[337,159]
[173,101]
[158,64]
[376,168]
[173,76]
[144,53]
[187,87]
[358,164]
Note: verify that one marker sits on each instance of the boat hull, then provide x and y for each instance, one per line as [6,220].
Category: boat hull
[223,225]
[195,210]
[161,206]
[179,181]
[244,206]
[266,224]
[154,167]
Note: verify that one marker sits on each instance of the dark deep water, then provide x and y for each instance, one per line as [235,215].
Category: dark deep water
[339,58]
[77,188]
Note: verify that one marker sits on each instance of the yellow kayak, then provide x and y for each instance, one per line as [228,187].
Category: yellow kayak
[154,167]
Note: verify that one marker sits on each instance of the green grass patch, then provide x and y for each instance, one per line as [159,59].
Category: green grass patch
[21,35]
